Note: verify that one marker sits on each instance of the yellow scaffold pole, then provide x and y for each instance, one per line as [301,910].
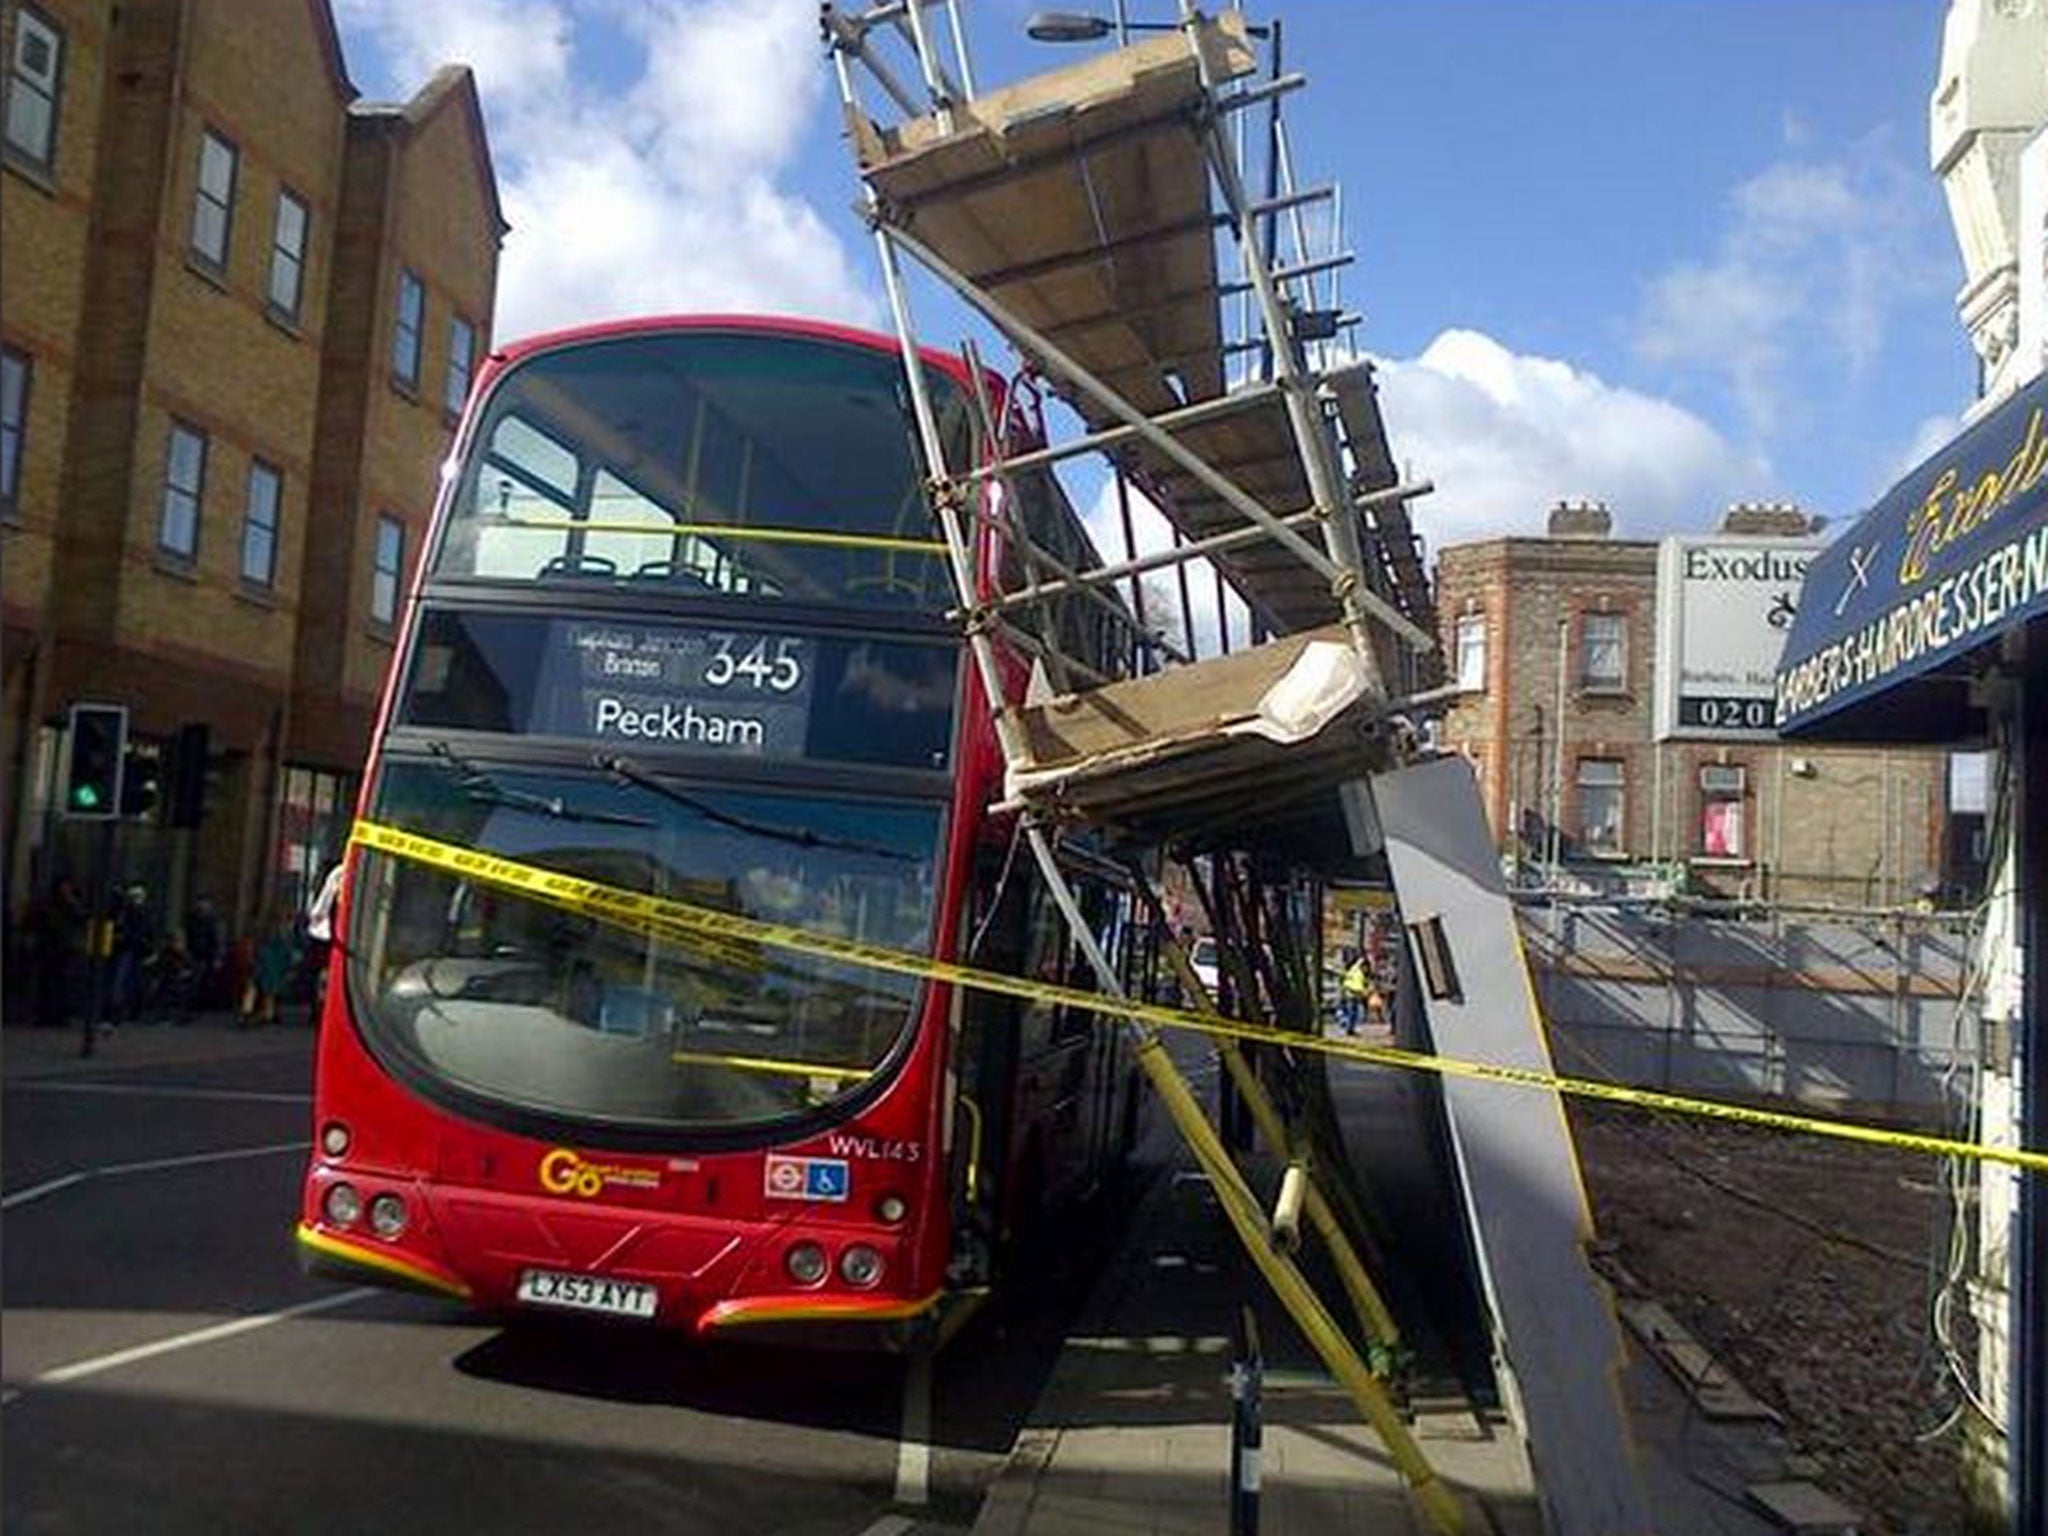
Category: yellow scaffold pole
[1374,1316]
[1438,1505]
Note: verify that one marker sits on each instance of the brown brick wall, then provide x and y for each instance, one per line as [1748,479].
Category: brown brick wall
[1846,825]
[128,333]
[44,227]
[219,359]
[420,184]
[331,609]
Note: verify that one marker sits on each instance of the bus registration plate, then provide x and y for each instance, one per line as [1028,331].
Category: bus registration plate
[586,1293]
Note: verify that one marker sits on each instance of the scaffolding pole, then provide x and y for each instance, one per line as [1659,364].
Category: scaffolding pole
[1339,563]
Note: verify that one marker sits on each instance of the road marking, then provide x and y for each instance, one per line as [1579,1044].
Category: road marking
[914,1445]
[121,1357]
[889,1525]
[38,1191]
[164,1091]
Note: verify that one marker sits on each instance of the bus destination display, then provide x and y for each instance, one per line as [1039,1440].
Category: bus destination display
[720,690]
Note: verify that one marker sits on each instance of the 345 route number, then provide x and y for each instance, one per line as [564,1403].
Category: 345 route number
[766,666]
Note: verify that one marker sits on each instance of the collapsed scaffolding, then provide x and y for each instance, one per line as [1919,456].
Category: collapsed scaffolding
[1078,212]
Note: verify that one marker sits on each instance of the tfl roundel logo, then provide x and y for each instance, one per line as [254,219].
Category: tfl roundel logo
[806,1178]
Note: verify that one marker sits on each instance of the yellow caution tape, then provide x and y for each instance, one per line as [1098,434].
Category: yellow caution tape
[818,537]
[774,1066]
[664,916]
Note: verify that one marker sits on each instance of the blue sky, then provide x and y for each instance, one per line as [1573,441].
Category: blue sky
[1666,253]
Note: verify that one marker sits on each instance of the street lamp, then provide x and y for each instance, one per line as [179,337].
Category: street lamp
[1081,27]
[1076,27]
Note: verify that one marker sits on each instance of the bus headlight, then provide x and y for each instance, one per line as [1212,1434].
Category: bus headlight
[860,1266]
[806,1263]
[334,1138]
[342,1205]
[387,1216]
[891,1209]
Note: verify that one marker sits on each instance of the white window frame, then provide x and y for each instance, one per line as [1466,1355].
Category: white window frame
[17,377]
[1603,682]
[408,332]
[1724,784]
[1597,781]
[385,579]
[1471,652]
[181,499]
[222,202]
[27,90]
[287,258]
[461,364]
[253,526]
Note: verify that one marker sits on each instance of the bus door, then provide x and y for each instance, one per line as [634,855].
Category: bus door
[985,1067]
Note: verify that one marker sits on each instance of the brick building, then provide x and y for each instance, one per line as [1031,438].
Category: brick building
[240,309]
[1851,826]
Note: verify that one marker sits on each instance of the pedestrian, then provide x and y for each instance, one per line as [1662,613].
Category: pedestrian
[1358,990]
[1375,1001]
[134,940]
[271,968]
[204,948]
[320,934]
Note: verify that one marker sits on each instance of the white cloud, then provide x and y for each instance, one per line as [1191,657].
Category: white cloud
[663,195]
[1814,258]
[521,48]
[1933,433]
[1161,589]
[1505,435]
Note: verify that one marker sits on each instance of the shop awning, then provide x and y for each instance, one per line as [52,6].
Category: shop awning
[1895,611]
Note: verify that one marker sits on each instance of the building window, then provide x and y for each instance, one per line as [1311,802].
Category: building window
[461,358]
[313,825]
[1603,652]
[213,207]
[259,524]
[390,566]
[1472,653]
[405,335]
[184,482]
[14,370]
[288,256]
[1602,790]
[1721,789]
[32,89]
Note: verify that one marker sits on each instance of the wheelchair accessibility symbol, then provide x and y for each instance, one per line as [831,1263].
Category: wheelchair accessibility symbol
[806,1178]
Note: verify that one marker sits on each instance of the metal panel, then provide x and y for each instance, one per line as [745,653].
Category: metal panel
[1524,1202]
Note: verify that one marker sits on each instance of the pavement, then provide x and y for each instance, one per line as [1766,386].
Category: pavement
[29,1051]
[1132,1436]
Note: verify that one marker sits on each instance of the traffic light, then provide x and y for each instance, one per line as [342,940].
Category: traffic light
[92,774]
[141,781]
[185,774]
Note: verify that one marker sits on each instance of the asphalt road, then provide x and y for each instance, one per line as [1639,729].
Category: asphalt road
[168,1369]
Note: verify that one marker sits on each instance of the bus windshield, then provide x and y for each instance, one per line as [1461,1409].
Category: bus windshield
[745,464]
[524,1005]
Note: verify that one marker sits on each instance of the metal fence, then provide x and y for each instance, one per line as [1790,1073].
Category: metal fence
[1837,1013]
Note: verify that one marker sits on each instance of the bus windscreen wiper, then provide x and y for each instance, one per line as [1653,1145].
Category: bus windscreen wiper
[625,768]
[480,787]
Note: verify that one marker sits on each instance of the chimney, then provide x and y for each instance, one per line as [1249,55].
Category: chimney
[1765,519]
[1580,520]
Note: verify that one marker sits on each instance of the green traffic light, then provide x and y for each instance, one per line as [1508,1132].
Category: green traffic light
[86,798]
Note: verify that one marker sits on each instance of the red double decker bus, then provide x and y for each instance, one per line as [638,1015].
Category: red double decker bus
[680,629]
